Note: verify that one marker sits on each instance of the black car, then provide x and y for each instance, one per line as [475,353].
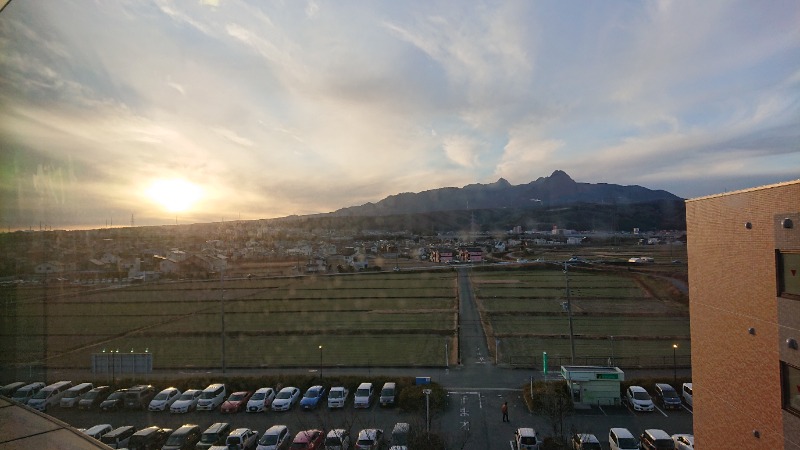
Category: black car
[114,401]
[184,438]
[139,396]
[667,396]
[150,438]
[94,398]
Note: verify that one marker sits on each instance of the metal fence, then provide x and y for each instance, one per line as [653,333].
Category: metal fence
[623,362]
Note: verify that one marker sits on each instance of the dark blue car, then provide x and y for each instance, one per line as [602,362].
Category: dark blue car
[312,397]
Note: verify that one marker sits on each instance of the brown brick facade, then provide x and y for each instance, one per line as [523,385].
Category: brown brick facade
[739,325]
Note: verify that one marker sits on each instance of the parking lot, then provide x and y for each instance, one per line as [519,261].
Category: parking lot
[474,417]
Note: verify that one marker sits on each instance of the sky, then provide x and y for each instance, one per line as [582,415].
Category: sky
[166,112]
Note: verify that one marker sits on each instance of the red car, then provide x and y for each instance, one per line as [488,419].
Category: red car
[308,440]
[236,402]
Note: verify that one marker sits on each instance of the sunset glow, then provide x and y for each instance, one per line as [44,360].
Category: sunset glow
[176,195]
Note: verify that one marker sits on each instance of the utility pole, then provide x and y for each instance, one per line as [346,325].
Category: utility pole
[569,315]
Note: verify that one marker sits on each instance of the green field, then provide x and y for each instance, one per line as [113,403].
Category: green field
[524,310]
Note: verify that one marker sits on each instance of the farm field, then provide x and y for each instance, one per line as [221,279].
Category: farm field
[630,317]
[384,319]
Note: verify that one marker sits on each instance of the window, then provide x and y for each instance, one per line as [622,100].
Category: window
[790,386]
[788,274]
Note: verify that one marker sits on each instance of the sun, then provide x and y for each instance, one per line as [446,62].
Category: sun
[176,195]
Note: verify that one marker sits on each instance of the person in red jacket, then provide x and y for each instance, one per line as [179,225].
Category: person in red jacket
[504,408]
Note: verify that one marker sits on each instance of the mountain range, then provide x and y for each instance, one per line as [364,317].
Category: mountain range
[559,189]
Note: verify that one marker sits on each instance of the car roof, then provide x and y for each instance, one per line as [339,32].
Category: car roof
[526,432]
[186,428]
[213,387]
[657,433]
[239,431]
[664,386]
[99,427]
[216,427]
[276,429]
[622,432]
[337,432]
[264,389]
[588,438]
[369,433]
[637,388]
[288,388]
[306,435]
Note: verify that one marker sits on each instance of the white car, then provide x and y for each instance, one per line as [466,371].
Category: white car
[622,439]
[639,399]
[286,398]
[186,402]
[337,397]
[164,399]
[683,441]
[261,400]
[527,439]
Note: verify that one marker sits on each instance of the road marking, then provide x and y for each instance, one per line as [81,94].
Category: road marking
[690,411]
[659,410]
[511,444]
[601,410]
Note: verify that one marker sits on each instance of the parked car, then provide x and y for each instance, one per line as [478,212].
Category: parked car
[242,439]
[118,437]
[94,398]
[363,396]
[49,395]
[655,439]
[638,398]
[687,393]
[312,397]
[261,400]
[98,431]
[337,397]
[9,389]
[337,439]
[667,396]
[74,394]
[388,393]
[139,396]
[400,438]
[164,399]
[527,439]
[150,438]
[25,393]
[212,397]
[184,438]
[214,435]
[308,440]
[286,398]
[114,401]
[186,402]
[585,441]
[236,402]
[369,439]
[277,437]
[622,439]
[683,441]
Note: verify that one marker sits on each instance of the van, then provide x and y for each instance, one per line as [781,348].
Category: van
[185,437]
[26,392]
[654,439]
[363,396]
[666,395]
[9,389]
[75,394]
[98,431]
[150,438]
[687,393]
[388,394]
[622,439]
[214,435]
[49,395]
[400,436]
[139,396]
[212,397]
[118,437]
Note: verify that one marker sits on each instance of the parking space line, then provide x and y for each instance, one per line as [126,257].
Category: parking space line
[511,444]
[690,411]
[601,410]
[659,410]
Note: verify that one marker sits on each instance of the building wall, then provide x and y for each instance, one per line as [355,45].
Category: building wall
[732,289]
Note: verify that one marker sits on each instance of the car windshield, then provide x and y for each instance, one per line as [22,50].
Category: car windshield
[669,393]
[333,441]
[284,395]
[528,440]
[259,396]
[335,394]
[311,393]
[41,394]
[161,396]
[299,445]
[208,395]
[362,393]
[268,439]
[208,438]
[91,394]
[175,439]
[187,396]
[237,397]
[116,395]
[641,395]
[71,394]
[20,394]
[628,443]
[387,392]
[591,446]
[365,442]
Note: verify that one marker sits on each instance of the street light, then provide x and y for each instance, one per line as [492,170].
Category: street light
[674,364]
[427,393]
[320,362]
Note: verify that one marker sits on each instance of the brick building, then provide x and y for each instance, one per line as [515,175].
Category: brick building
[744,290]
